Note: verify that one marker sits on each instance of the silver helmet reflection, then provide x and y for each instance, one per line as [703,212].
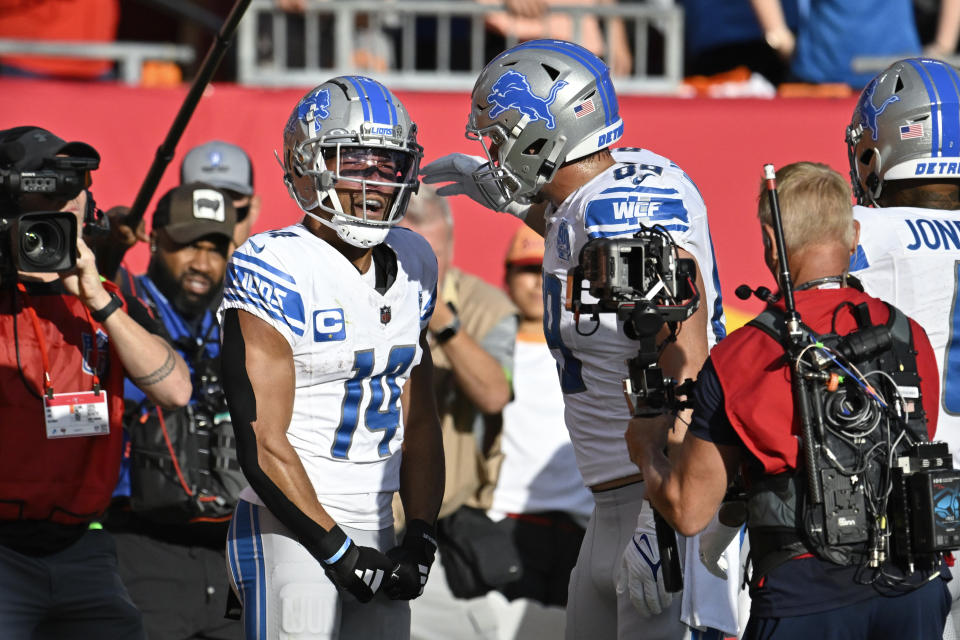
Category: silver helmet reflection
[906,125]
[535,107]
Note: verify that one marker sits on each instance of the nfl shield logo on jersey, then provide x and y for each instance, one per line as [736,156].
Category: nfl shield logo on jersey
[385,315]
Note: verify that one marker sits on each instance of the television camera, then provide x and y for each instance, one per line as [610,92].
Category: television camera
[42,241]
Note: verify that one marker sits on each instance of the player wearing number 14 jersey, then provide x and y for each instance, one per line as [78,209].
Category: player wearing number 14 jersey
[324,324]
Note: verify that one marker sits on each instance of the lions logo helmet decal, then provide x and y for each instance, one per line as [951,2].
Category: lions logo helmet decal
[314,108]
[512,91]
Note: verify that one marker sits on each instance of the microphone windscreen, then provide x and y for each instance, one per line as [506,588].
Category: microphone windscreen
[743,292]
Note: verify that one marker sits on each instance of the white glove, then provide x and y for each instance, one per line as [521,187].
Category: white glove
[459,170]
[714,540]
[641,571]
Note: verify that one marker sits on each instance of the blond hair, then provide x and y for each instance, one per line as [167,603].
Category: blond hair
[815,205]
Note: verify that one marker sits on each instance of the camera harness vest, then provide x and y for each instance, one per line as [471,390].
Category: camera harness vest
[183,462]
[781,519]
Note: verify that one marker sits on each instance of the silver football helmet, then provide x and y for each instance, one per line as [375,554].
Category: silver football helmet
[906,125]
[535,107]
[351,134]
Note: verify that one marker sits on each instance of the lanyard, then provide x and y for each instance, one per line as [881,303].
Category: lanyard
[42,341]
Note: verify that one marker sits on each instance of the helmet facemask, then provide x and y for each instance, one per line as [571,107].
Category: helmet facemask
[360,173]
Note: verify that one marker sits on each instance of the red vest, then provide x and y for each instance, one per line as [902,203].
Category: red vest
[756,381]
[66,480]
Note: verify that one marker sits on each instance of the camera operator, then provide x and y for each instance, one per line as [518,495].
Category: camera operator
[67,344]
[170,540]
[744,415]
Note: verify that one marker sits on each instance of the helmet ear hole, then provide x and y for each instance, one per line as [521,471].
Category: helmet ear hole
[535,148]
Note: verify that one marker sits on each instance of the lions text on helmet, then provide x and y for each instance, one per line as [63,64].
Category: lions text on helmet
[351,158]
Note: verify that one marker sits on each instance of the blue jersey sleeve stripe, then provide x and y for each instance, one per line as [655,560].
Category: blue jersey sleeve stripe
[609,231]
[666,191]
[233,295]
[859,260]
[265,266]
[364,101]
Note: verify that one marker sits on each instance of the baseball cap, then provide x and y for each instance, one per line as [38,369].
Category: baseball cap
[194,210]
[220,164]
[26,148]
[526,248]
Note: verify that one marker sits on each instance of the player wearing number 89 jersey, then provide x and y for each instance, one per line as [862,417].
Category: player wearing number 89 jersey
[324,334]
[546,114]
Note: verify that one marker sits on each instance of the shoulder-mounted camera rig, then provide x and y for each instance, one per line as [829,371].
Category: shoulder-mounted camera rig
[652,290]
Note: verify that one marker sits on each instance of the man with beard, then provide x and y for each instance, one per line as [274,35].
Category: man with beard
[170,532]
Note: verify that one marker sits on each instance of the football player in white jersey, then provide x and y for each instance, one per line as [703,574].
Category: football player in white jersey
[323,332]
[904,148]
[546,114]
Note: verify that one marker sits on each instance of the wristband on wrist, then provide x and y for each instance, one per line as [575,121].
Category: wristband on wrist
[448,331]
[330,547]
[104,312]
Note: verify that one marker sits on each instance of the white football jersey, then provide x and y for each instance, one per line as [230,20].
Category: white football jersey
[353,350]
[642,188]
[539,470]
[910,257]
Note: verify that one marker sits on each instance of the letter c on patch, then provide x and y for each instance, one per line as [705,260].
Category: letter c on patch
[328,325]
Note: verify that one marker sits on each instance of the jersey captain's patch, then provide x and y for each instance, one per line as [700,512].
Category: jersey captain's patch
[329,325]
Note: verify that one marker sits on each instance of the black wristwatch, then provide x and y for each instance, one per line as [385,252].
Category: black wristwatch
[448,331]
[102,314]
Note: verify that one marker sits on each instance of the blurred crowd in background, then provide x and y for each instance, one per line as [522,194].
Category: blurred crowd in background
[735,47]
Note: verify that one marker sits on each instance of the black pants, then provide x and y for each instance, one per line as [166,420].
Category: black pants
[181,590]
[73,594]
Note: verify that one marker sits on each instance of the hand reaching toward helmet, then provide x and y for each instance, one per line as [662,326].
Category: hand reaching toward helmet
[459,170]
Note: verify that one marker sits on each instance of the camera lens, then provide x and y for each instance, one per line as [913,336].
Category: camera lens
[42,245]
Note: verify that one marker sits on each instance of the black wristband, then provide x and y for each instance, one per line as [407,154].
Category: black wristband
[448,331]
[103,313]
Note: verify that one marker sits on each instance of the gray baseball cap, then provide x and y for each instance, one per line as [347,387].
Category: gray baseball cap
[220,164]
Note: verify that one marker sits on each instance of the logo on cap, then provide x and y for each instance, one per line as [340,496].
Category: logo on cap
[208,205]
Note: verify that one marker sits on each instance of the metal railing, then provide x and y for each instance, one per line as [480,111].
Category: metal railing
[129,56]
[284,49]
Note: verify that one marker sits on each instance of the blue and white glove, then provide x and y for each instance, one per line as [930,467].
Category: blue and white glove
[459,169]
[641,572]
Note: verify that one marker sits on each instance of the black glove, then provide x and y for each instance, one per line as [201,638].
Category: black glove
[413,557]
[358,570]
